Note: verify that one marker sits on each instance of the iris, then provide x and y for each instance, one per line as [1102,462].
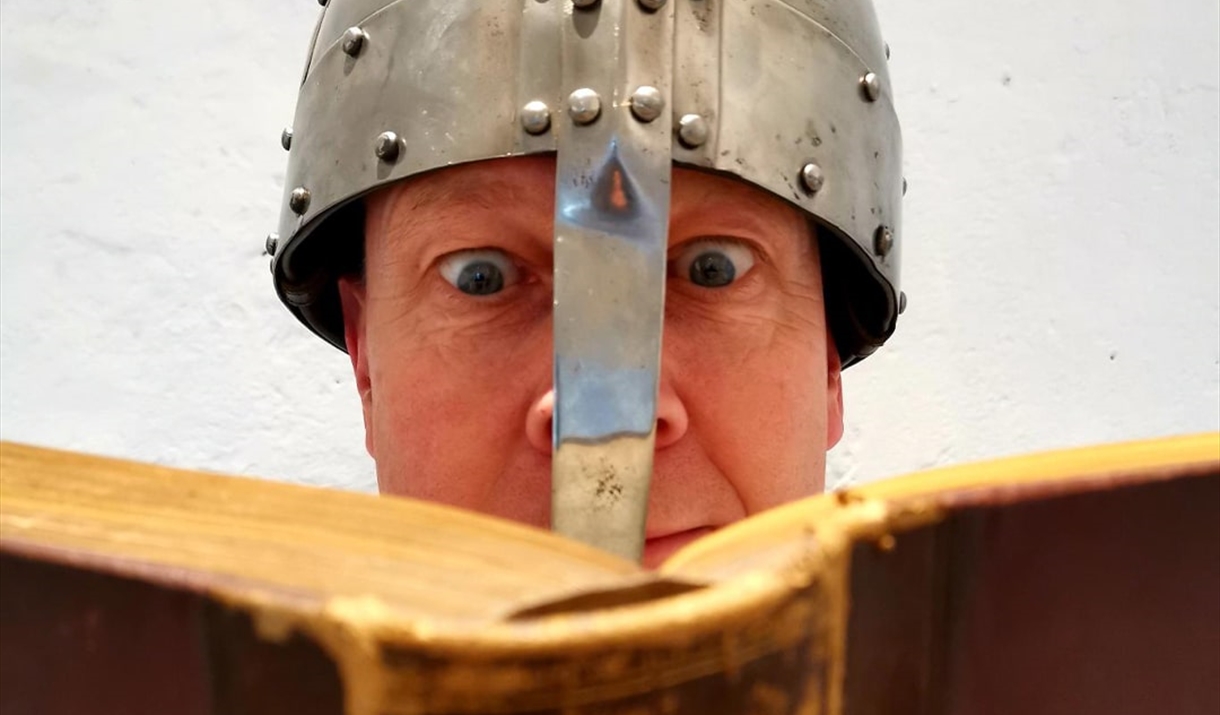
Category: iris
[480,278]
[712,270]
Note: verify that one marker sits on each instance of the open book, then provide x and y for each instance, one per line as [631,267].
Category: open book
[1073,582]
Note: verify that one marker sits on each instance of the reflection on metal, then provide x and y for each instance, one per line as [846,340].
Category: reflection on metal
[692,131]
[871,86]
[600,492]
[647,103]
[883,242]
[298,201]
[535,117]
[812,178]
[611,233]
[584,106]
[353,41]
[387,147]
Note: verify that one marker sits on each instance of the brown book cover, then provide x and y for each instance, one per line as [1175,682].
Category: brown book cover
[1074,582]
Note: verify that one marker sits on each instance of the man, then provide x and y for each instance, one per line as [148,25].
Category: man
[495,206]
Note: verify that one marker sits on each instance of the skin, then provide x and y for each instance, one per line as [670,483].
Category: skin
[456,389]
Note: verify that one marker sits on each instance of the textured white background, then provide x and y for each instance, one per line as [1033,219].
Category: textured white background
[1062,231]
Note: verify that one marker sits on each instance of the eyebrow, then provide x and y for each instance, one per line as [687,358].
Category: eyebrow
[484,189]
[426,205]
[446,193]
[747,217]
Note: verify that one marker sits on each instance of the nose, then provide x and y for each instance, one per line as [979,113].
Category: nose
[538,422]
[672,419]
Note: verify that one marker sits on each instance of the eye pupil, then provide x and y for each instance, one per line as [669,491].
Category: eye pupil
[481,278]
[712,270]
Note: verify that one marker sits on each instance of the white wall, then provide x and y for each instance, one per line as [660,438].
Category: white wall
[1062,226]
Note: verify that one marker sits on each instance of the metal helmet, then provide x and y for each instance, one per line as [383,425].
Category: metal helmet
[792,96]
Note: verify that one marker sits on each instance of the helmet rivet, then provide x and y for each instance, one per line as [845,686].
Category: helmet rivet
[387,147]
[353,41]
[584,4]
[812,177]
[536,117]
[887,50]
[286,138]
[651,5]
[299,200]
[322,3]
[647,103]
[902,302]
[584,106]
[272,243]
[692,131]
[871,86]
[883,241]
[904,186]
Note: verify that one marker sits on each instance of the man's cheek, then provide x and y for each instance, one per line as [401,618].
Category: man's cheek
[429,432]
[727,343]
[451,383]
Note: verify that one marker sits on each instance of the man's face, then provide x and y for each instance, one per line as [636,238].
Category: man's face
[450,337]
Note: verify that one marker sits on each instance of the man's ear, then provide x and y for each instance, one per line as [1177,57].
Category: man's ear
[834,394]
[352,297]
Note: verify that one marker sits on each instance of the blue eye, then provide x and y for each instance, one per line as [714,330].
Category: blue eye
[713,263]
[478,273]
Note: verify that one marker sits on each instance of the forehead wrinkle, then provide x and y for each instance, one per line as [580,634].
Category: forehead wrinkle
[513,190]
[485,184]
[702,199]
[460,191]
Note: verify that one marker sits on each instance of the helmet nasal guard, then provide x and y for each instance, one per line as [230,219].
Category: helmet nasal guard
[792,96]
